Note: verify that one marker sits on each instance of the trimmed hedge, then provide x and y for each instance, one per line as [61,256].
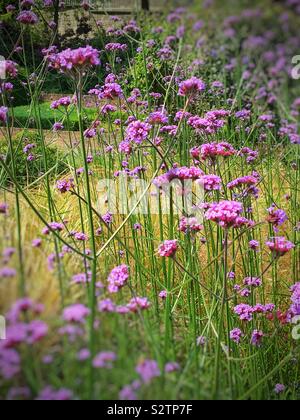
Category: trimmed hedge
[25,117]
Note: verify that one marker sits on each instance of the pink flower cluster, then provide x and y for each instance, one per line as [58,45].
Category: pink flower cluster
[136,304]
[277,217]
[8,68]
[236,335]
[118,278]
[226,213]
[246,312]
[65,185]
[148,370]
[190,224]
[138,131]
[109,91]
[27,17]
[79,59]
[280,246]
[168,248]
[252,281]
[213,150]
[116,47]
[62,102]
[183,174]
[19,333]
[210,123]
[191,87]
[248,180]
[158,118]
[211,182]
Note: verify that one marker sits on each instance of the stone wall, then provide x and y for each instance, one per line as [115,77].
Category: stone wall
[70,17]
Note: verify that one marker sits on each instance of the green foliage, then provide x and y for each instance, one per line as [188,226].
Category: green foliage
[136,74]
[25,117]
[28,172]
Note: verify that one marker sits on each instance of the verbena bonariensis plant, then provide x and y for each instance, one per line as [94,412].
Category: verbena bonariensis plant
[164,261]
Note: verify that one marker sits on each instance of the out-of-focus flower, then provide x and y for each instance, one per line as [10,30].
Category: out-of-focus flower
[148,370]
[76,313]
[118,278]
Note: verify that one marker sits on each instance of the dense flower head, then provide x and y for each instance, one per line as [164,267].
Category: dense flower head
[248,181]
[176,131]
[254,245]
[62,102]
[118,278]
[125,147]
[79,59]
[109,91]
[158,117]
[211,182]
[251,155]
[169,129]
[236,335]
[168,248]
[280,246]
[10,8]
[106,305]
[277,217]
[27,17]
[263,309]
[108,108]
[191,87]
[8,68]
[166,53]
[65,185]
[58,126]
[252,281]
[245,312]
[279,388]
[225,213]
[210,124]
[182,174]
[138,131]
[81,278]
[213,150]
